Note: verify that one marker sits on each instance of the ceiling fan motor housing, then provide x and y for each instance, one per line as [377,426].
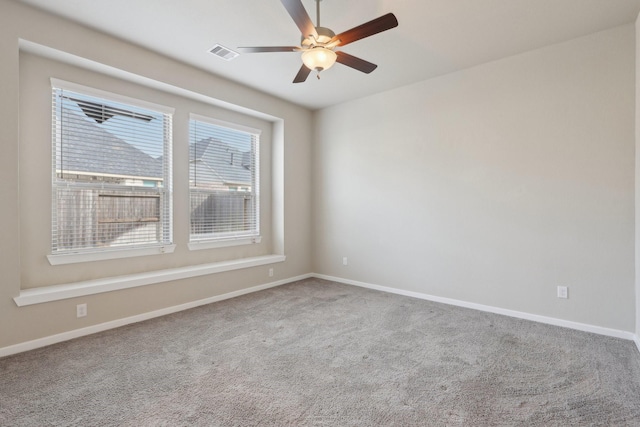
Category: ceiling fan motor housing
[324,36]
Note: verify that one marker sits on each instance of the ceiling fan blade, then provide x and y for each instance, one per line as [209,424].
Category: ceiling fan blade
[302,74]
[378,25]
[260,49]
[300,17]
[354,62]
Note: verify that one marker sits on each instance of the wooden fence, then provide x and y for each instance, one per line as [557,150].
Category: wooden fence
[93,218]
[221,212]
[89,218]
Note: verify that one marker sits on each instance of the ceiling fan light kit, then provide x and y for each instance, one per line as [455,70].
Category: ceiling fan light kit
[318,43]
[319,58]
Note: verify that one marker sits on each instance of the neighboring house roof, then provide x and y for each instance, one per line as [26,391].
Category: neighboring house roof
[213,161]
[91,149]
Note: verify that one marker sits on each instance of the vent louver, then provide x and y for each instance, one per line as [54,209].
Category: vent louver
[223,52]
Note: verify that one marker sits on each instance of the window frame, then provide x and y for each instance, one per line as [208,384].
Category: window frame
[116,252]
[212,242]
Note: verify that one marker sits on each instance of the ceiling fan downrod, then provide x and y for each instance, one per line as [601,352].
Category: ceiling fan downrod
[318,13]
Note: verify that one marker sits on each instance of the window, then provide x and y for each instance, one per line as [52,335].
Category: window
[223,181]
[111,172]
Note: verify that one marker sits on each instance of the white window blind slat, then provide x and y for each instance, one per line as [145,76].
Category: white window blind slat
[223,181]
[111,174]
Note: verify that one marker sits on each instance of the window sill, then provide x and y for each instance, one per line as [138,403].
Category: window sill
[73,258]
[91,287]
[223,243]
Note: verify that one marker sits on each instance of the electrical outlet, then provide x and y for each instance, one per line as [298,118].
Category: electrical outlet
[81,310]
[344,261]
[271,272]
[563,292]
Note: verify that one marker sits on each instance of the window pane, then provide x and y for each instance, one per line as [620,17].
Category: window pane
[223,180]
[111,174]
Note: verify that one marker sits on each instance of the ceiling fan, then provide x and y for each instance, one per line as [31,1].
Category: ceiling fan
[318,43]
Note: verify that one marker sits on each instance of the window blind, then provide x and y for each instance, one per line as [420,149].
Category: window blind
[223,181]
[111,174]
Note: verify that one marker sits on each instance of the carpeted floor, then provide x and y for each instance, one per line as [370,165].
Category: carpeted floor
[326,354]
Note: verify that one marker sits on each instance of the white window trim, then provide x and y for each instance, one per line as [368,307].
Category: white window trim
[222,123]
[197,245]
[106,254]
[86,90]
[115,252]
[221,242]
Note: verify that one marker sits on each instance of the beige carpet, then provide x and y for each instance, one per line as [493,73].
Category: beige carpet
[326,354]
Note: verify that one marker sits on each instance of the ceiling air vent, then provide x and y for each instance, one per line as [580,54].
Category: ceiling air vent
[223,52]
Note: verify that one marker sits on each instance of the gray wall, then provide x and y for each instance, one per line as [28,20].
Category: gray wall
[25,180]
[492,185]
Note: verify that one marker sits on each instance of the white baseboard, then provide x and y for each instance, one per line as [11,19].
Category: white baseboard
[77,333]
[512,313]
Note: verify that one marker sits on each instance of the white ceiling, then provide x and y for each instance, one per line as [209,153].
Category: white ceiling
[434,37]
